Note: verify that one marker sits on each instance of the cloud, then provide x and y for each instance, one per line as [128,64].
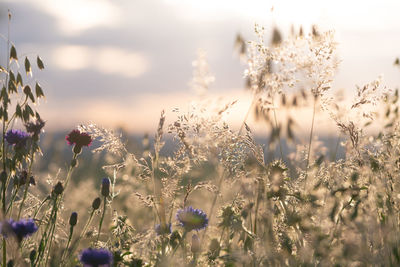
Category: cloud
[107,60]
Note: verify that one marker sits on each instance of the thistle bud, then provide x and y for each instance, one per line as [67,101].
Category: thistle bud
[96,203]
[58,188]
[32,256]
[77,149]
[73,219]
[105,187]
[196,246]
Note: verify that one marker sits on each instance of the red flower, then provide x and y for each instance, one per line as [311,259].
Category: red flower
[75,137]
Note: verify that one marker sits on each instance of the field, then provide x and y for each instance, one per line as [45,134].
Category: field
[215,195]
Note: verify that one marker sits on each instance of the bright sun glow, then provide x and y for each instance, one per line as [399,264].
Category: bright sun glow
[75,16]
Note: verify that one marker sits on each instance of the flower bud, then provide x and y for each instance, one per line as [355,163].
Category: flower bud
[32,256]
[77,149]
[105,187]
[73,219]
[58,188]
[196,246]
[96,203]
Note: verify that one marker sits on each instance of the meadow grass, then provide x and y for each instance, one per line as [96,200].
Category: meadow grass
[221,198]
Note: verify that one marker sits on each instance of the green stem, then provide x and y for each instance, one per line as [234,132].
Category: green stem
[76,244]
[71,231]
[69,172]
[27,183]
[43,241]
[40,206]
[51,238]
[14,195]
[102,217]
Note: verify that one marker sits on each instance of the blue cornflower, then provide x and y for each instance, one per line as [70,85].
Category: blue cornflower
[192,219]
[21,229]
[160,231]
[96,257]
[16,137]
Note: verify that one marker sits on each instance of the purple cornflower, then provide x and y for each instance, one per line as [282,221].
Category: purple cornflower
[192,219]
[21,229]
[35,127]
[16,137]
[91,257]
[160,231]
[75,137]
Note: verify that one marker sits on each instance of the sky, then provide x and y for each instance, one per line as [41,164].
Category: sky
[119,63]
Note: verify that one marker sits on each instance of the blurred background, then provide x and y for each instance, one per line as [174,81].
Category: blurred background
[119,63]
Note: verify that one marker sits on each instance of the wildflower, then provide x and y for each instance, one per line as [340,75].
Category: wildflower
[75,137]
[160,231]
[21,229]
[35,127]
[16,137]
[96,257]
[192,219]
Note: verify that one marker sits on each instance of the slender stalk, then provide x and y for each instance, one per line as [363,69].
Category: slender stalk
[276,126]
[40,206]
[70,169]
[44,240]
[259,193]
[310,139]
[336,148]
[247,113]
[76,243]
[214,202]
[51,237]
[102,217]
[14,195]
[27,183]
